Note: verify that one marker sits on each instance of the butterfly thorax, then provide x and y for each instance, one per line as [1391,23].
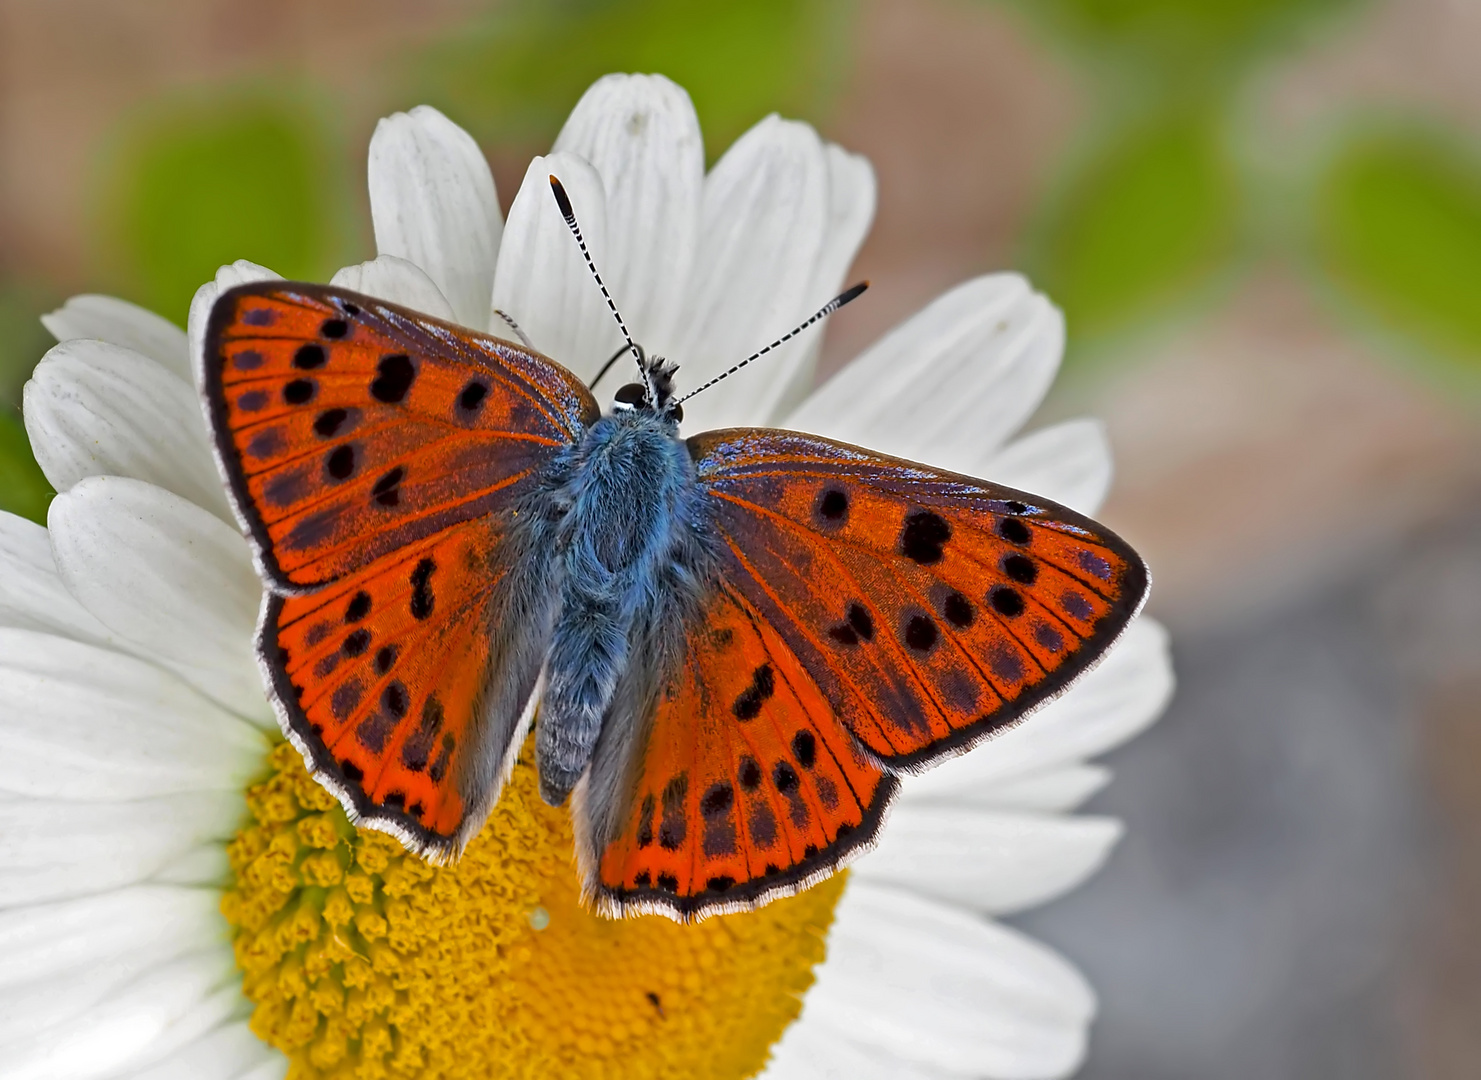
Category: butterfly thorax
[630,557]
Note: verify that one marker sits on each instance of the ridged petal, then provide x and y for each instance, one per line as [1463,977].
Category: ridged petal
[137,1023]
[993,861]
[165,575]
[852,195]
[94,409]
[229,1052]
[433,203]
[1119,698]
[62,966]
[118,322]
[930,984]
[51,941]
[53,850]
[390,278]
[949,384]
[641,134]
[763,230]
[808,1051]
[543,283]
[1069,463]
[1055,790]
[80,722]
[32,593]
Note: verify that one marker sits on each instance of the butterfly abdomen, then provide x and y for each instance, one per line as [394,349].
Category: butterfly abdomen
[629,533]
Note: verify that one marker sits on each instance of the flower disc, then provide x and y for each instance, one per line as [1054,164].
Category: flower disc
[364,961]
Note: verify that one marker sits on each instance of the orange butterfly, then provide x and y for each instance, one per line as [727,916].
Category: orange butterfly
[737,642]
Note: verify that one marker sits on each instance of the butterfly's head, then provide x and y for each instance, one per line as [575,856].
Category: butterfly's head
[636,396]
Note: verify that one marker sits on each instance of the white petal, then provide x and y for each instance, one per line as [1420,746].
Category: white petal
[1056,790]
[49,994]
[32,594]
[229,276]
[230,1052]
[94,409]
[156,922]
[57,850]
[951,383]
[641,134]
[764,228]
[1069,463]
[1107,706]
[993,861]
[167,576]
[809,1051]
[851,202]
[542,282]
[433,202]
[930,984]
[79,722]
[390,278]
[141,1021]
[205,865]
[119,322]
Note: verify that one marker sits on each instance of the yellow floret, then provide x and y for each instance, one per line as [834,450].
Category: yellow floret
[364,962]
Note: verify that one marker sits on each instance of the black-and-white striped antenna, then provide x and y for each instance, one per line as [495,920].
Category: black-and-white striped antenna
[562,201]
[823,312]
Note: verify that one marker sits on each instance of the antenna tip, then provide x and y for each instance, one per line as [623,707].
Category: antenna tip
[853,293]
[560,198]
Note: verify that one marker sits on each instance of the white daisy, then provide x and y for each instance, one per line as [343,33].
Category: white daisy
[133,724]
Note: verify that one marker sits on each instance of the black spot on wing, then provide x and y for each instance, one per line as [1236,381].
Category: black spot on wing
[924,536]
[394,375]
[309,357]
[674,827]
[422,600]
[748,704]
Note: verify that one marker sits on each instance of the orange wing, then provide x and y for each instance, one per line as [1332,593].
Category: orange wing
[348,427]
[374,455]
[748,786]
[881,611]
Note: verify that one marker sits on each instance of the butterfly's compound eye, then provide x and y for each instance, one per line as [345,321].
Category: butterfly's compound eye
[631,396]
[676,413]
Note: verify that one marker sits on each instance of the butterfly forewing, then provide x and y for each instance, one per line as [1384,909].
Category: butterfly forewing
[375,456]
[932,609]
[349,427]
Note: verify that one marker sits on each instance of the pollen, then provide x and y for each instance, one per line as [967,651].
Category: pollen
[362,961]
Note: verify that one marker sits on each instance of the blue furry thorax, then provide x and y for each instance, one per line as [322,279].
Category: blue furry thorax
[624,544]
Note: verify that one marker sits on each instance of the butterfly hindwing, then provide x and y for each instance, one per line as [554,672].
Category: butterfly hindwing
[870,616]
[375,456]
[746,787]
[349,427]
[380,675]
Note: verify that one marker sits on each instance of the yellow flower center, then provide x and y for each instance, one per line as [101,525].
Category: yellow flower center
[363,961]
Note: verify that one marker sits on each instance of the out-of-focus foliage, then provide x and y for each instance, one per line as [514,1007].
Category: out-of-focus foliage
[23,340]
[1187,41]
[195,187]
[1400,228]
[1144,222]
[23,490]
[517,74]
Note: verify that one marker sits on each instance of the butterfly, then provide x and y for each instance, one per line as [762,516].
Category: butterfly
[735,643]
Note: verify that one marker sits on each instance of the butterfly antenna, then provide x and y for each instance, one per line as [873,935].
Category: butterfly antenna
[564,202]
[822,313]
[642,357]
[528,344]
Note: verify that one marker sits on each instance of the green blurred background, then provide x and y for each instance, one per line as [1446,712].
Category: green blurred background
[1261,217]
